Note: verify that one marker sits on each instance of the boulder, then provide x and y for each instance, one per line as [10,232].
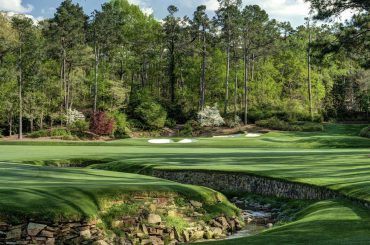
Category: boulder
[15,233]
[197,235]
[100,242]
[154,219]
[50,241]
[46,233]
[156,240]
[33,228]
[196,204]
[85,234]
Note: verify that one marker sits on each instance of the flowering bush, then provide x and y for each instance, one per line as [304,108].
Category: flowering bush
[102,124]
[73,115]
[210,117]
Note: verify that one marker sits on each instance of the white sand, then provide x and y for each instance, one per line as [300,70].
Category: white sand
[228,136]
[187,141]
[160,141]
[252,135]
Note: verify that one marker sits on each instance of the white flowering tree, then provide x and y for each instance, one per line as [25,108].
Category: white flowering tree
[73,116]
[210,117]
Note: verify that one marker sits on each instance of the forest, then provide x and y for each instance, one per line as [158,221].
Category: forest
[118,69]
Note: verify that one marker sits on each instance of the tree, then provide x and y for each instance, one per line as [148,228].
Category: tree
[172,37]
[28,62]
[201,24]
[67,31]
[227,20]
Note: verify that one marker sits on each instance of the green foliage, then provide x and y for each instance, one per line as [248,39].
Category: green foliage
[60,132]
[151,114]
[170,122]
[365,132]
[39,134]
[79,126]
[187,130]
[277,124]
[121,128]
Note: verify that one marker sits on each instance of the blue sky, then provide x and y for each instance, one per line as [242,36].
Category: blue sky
[283,10]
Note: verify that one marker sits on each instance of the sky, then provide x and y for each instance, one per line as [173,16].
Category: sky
[293,11]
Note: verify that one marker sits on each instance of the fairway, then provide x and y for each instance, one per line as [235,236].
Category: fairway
[80,192]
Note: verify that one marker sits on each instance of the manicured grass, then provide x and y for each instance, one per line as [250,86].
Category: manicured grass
[59,194]
[336,158]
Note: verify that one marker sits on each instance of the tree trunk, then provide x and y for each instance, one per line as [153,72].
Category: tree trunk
[236,87]
[172,75]
[31,124]
[227,77]
[203,70]
[20,133]
[96,76]
[65,80]
[309,71]
[245,86]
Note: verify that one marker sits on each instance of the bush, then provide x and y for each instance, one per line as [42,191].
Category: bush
[74,116]
[121,129]
[151,114]
[365,132]
[232,121]
[210,117]
[170,123]
[59,132]
[277,124]
[102,124]
[39,134]
[187,130]
[79,126]
[136,124]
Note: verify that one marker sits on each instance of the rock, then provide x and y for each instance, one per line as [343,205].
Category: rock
[269,225]
[156,240]
[154,219]
[208,234]
[144,229]
[196,204]
[178,236]
[50,241]
[46,233]
[172,213]
[100,242]
[85,234]
[216,231]
[15,233]
[152,207]
[197,235]
[117,223]
[186,236]
[3,226]
[33,228]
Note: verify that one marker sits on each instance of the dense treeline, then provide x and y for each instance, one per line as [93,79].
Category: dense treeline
[120,68]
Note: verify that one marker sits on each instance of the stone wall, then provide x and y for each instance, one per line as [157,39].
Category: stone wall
[229,182]
[50,234]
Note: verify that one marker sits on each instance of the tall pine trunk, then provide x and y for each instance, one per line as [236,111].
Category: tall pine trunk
[227,76]
[245,85]
[96,76]
[309,71]
[204,56]
[20,133]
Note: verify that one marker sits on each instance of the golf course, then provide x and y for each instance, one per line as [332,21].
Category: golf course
[42,183]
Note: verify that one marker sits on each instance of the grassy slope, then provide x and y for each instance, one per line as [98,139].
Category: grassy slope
[61,194]
[336,158]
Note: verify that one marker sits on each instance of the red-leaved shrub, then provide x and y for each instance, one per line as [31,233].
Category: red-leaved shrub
[102,124]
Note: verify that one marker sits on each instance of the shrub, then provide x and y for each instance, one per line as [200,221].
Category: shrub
[232,121]
[121,129]
[38,134]
[170,123]
[73,116]
[59,132]
[151,114]
[277,124]
[365,132]
[80,126]
[136,124]
[210,117]
[187,130]
[102,124]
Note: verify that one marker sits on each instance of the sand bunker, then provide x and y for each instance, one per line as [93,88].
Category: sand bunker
[187,141]
[161,141]
[228,136]
[250,135]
